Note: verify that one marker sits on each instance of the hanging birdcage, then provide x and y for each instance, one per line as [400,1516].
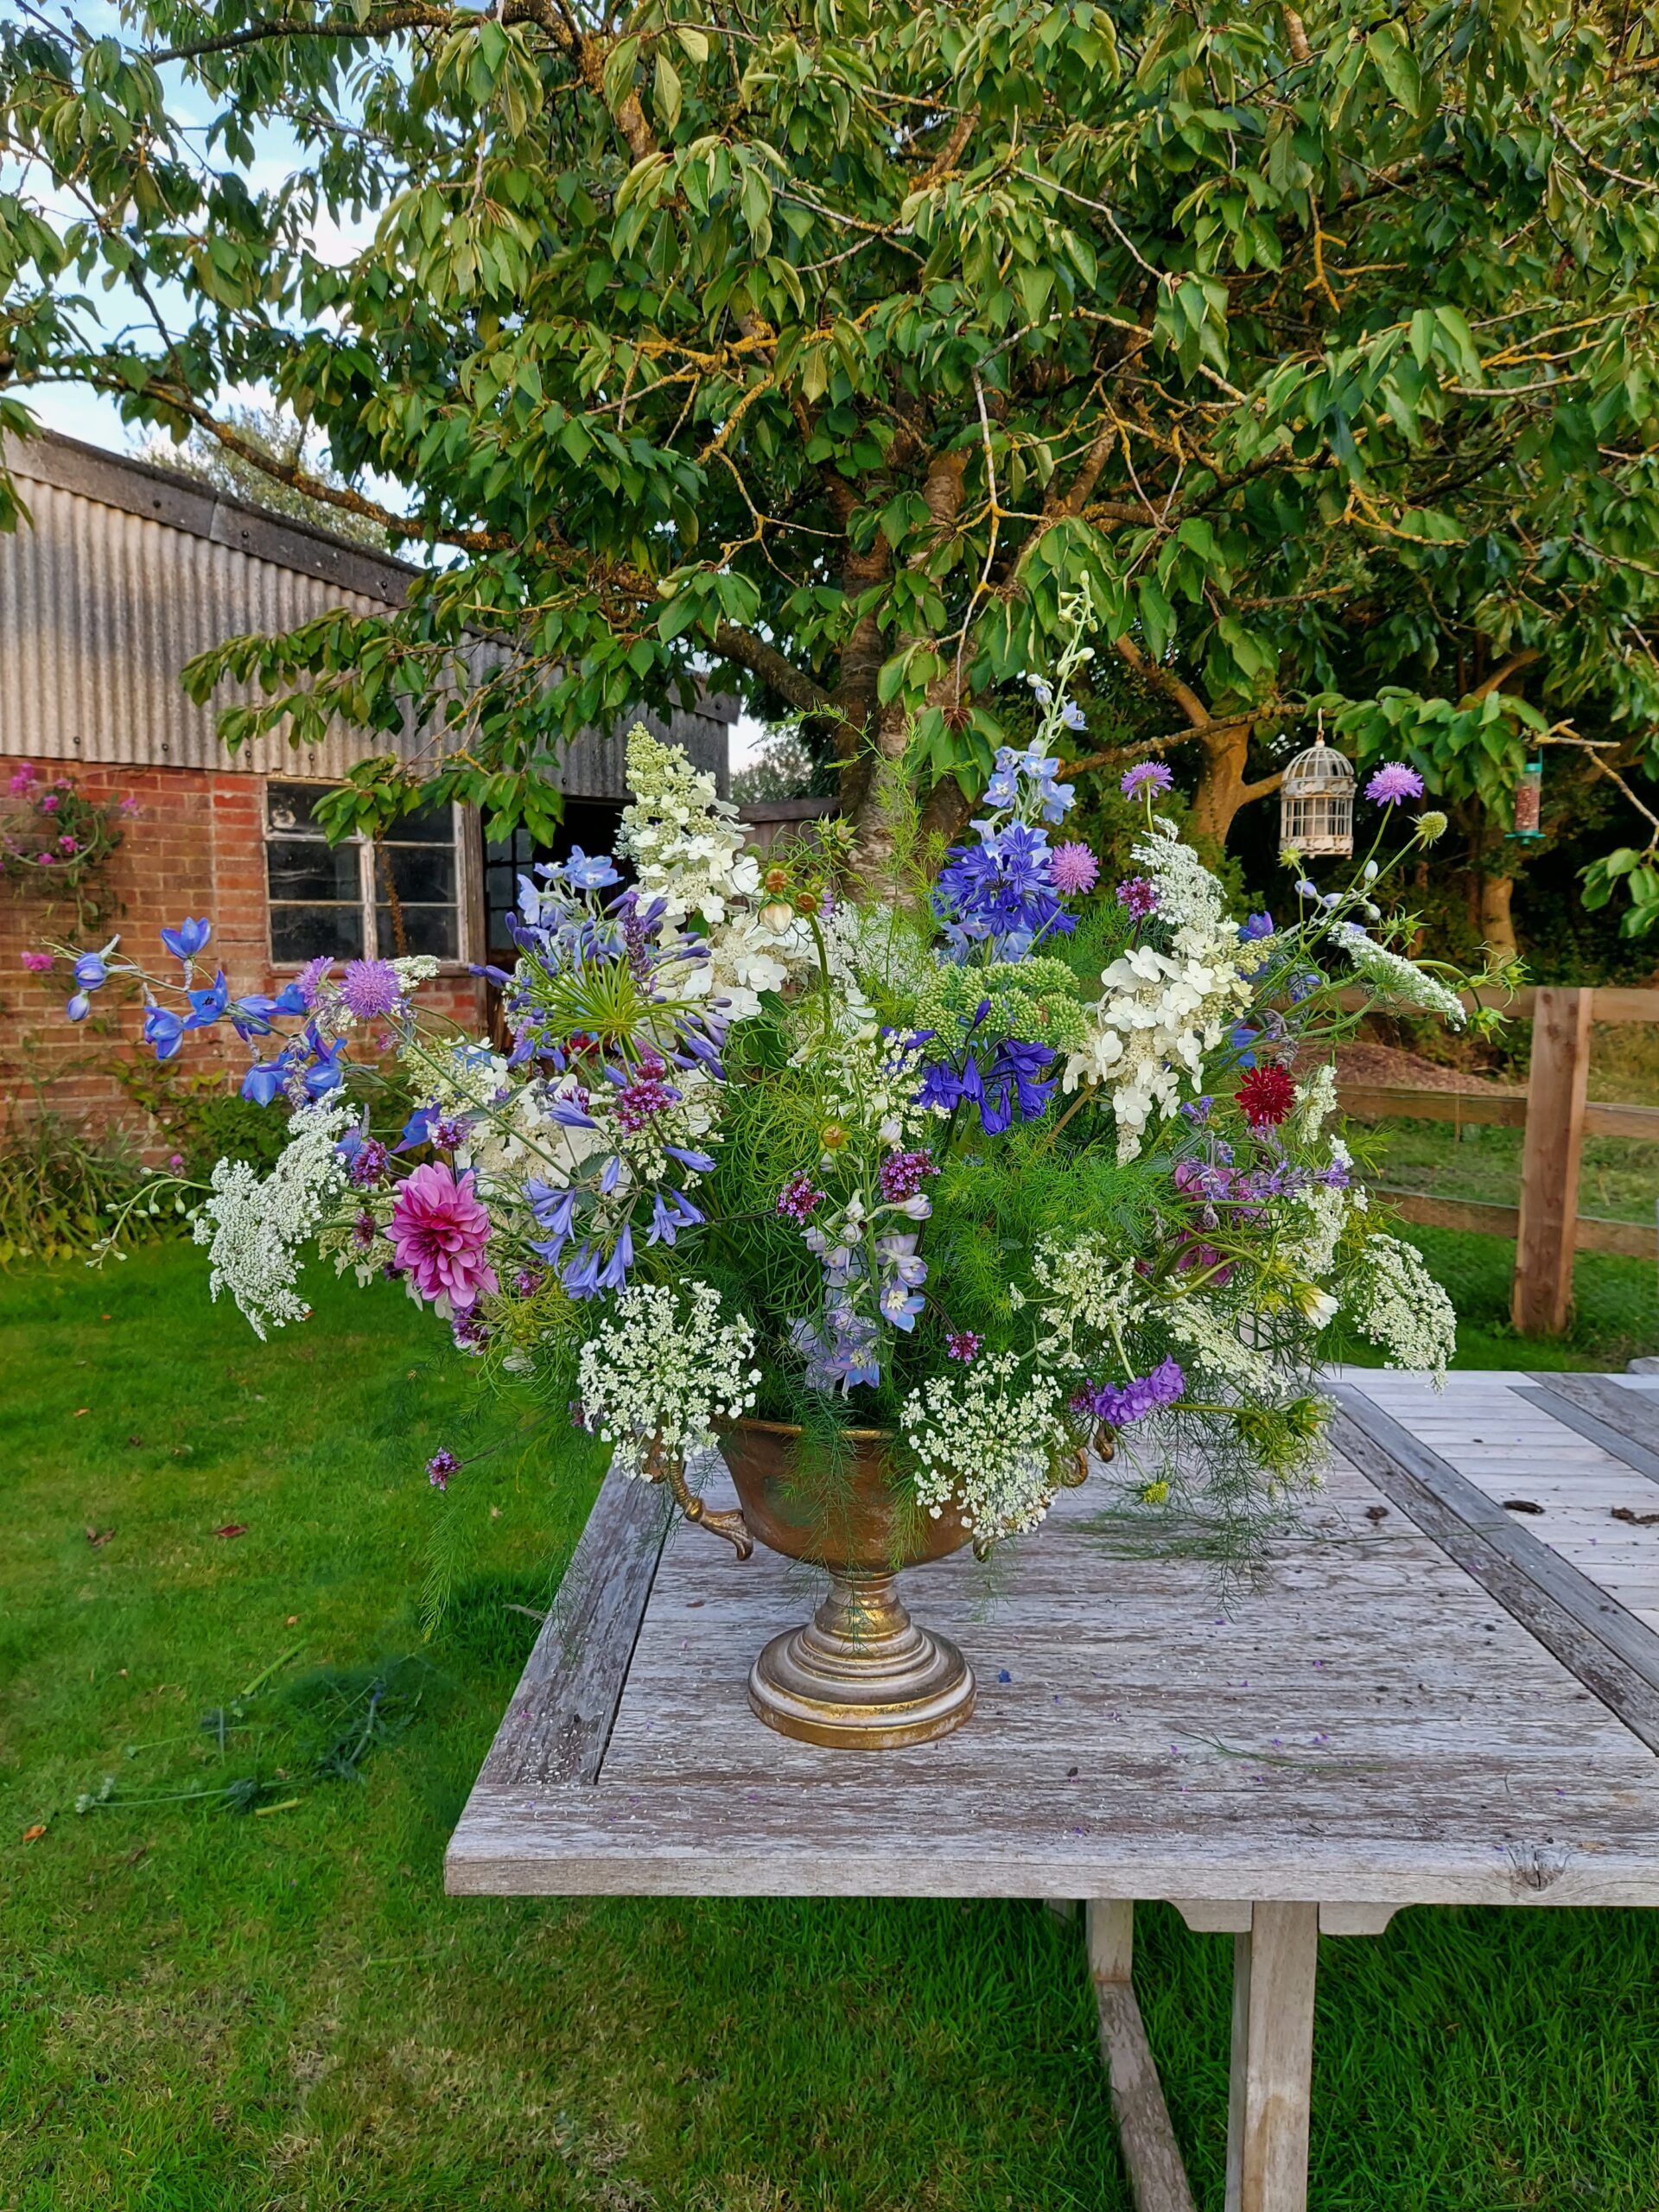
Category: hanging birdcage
[1316,804]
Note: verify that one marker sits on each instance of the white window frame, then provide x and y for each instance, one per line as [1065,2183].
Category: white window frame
[469,882]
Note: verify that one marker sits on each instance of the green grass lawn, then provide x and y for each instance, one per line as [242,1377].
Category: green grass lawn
[278,2009]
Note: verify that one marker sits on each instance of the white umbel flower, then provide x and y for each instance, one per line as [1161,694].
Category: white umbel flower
[1401,1308]
[657,1377]
[1397,977]
[257,1225]
[985,1442]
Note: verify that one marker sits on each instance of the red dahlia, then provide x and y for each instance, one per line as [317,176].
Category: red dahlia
[1267,1095]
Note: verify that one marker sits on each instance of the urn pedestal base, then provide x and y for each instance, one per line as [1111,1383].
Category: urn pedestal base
[862,1674]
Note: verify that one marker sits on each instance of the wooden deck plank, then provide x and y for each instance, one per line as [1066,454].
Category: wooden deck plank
[1623,1422]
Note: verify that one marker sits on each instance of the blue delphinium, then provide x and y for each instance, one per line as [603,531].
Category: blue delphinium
[999,893]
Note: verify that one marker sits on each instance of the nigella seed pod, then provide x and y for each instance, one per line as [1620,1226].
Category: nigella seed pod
[777,915]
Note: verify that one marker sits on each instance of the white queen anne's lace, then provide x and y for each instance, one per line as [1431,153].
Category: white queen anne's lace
[663,1371]
[257,1225]
[1401,1306]
[1397,977]
[986,1442]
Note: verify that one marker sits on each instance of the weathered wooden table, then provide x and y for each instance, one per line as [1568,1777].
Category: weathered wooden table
[1433,1696]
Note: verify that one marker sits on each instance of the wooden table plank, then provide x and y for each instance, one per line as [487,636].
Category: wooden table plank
[1365,1726]
[1623,1421]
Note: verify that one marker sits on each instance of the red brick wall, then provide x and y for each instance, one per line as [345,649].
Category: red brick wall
[193,847]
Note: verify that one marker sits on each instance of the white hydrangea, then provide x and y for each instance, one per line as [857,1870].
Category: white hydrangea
[1401,1308]
[756,951]
[1397,977]
[1157,1017]
[256,1225]
[658,1376]
[683,837]
[986,1442]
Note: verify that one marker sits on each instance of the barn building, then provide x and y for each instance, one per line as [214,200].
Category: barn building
[124,573]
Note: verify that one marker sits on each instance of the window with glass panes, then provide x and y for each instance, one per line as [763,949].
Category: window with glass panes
[399,896]
[592,824]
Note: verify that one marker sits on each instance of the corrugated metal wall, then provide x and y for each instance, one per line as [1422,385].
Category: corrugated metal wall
[129,571]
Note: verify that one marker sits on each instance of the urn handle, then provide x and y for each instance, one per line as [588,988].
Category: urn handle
[732,1525]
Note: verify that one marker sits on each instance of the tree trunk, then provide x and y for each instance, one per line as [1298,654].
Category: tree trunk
[1496,924]
[1222,787]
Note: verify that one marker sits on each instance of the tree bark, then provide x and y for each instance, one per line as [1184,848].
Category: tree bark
[1223,788]
[1497,923]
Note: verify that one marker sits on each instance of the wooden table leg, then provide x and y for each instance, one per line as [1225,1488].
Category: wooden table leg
[1151,2154]
[1273,1971]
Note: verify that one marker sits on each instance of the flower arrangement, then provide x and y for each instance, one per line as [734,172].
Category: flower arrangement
[54,841]
[1006,1165]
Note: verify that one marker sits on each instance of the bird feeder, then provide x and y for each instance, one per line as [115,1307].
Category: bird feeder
[1316,804]
[1529,803]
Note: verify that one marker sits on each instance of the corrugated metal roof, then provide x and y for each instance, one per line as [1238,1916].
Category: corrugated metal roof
[130,570]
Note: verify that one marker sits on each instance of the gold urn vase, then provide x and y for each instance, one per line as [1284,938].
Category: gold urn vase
[860,1673]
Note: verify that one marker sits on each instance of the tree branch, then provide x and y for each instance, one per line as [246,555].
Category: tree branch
[746,651]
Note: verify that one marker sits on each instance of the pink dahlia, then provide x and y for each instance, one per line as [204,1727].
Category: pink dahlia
[1074,868]
[438,1234]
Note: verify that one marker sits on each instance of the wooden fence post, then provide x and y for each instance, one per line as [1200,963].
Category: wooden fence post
[1542,1298]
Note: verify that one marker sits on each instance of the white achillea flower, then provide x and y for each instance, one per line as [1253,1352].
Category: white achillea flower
[662,1371]
[1398,977]
[682,835]
[256,1225]
[1401,1307]
[986,1442]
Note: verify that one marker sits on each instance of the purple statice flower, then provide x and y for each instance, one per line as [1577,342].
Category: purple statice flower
[798,1197]
[1074,869]
[369,1163]
[1196,1110]
[311,979]
[368,988]
[903,1174]
[1146,775]
[363,1231]
[963,1344]
[646,1095]
[1139,896]
[439,1467]
[1141,1395]
[1393,782]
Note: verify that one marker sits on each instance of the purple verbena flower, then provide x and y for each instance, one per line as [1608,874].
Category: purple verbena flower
[368,1164]
[798,1197]
[902,1175]
[368,988]
[439,1467]
[364,1229]
[1139,896]
[1393,782]
[645,1095]
[963,1344]
[526,1282]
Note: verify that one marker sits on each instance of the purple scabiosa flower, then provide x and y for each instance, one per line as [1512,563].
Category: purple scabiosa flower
[1074,869]
[1393,782]
[798,1197]
[368,1164]
[1139,896]
[439,1467]
[368,988]
[1141,1395]
[963,1344]
[311,979]
[1145,776]
[903,1174]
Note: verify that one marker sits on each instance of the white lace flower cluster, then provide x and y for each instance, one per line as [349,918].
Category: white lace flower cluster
[659,1374]
[257,1225]
[1400,978]
[1085,1287]
[1401,1307]
[683,838]
[1211,1338]
[1191,900]
[986,1442]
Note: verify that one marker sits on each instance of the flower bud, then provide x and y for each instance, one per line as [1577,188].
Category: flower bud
[777,915]
[834,1136]
[806,902]
[776,878]
[1431,827]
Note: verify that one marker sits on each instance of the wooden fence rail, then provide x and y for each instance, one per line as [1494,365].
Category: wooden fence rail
[1557,1114]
